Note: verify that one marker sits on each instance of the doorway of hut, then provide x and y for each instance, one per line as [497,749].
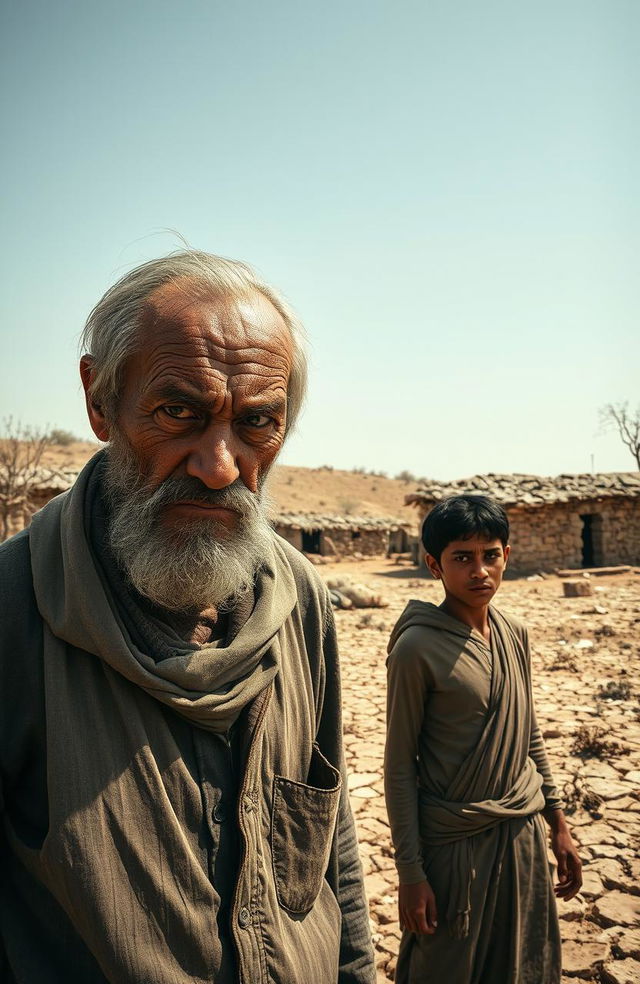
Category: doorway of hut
[312,541]
[592,540]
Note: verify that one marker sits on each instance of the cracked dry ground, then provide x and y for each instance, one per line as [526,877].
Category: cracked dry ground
[586,678]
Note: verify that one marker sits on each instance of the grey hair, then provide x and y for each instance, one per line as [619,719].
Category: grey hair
[110,334]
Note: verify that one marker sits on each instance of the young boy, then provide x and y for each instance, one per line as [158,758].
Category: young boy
[466,774]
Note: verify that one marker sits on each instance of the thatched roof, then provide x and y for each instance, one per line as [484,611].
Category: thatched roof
[532,490]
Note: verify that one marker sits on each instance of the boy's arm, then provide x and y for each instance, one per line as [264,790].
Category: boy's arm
[406,697]
[538,753]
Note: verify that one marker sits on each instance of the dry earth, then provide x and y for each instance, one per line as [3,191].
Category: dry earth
[586,664]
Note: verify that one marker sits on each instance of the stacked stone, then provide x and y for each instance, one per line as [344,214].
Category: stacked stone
[545,515]
[343,536]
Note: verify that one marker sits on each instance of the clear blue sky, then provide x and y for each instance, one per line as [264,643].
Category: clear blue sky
[446,191]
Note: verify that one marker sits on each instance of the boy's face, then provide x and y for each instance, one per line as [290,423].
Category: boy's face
[471,570]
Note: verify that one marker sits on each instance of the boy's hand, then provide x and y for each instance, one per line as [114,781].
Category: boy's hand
[569,864]
[417,908]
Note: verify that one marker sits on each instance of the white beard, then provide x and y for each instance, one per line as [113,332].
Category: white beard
[197,564]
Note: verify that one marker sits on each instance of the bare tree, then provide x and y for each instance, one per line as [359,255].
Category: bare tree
[627,423]
[21,451]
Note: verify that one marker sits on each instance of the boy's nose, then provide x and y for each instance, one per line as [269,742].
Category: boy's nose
[479,570]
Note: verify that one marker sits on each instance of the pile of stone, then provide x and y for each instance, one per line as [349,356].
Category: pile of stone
[532,490]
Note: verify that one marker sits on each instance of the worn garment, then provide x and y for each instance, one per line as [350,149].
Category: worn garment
[107,824]
[466,777]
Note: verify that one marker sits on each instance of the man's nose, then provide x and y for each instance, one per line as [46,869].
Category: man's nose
[212,458]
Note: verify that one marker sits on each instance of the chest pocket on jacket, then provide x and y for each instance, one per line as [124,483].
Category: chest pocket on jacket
[303,818]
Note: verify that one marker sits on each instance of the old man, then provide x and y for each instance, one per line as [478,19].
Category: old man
[173,794]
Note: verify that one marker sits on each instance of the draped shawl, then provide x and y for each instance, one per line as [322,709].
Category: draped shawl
[497,780]
[208,686]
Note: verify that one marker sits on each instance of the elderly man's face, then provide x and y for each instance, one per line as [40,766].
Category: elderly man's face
[201,418]
[206,395]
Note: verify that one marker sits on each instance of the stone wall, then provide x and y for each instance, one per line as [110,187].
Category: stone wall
[544,538]
[369,543]
[343,542]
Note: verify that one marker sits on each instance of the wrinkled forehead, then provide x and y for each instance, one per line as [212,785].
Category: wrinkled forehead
[193,312]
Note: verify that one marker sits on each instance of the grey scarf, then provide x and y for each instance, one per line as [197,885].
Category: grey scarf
[208,686]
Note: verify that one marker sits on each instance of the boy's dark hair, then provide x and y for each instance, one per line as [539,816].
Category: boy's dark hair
[459,517]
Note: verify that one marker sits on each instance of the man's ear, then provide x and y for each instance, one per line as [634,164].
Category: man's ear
[506,551]
[433,566]
[95,412]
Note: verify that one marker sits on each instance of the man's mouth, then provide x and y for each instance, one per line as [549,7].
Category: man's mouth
[198,506]
[480,587]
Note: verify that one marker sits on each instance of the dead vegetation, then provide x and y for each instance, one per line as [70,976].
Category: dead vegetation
[564,660]
[578,795]
[615,690]
[21,452]
[590,742]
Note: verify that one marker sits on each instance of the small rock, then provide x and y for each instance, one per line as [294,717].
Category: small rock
[617,908]
[573,909]
[625,942]
[609,789]
[621,972]
[581,959]
[592,886]
[576,589]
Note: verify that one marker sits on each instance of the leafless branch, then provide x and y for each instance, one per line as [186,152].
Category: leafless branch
[626,422]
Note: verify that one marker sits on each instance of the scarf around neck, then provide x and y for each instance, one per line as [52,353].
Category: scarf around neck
[209,685]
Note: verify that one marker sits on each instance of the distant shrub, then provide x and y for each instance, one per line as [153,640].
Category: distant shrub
[405,476]
[348,506]
[63,438]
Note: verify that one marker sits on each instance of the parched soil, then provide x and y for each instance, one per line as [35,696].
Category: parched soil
[586,664]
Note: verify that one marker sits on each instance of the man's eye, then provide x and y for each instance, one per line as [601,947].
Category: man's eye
[177,412]
[257,420]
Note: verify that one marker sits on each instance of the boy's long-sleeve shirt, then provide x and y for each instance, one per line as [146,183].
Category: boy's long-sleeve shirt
[439,694]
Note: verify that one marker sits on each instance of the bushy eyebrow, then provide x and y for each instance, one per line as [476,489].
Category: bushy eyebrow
[175,393]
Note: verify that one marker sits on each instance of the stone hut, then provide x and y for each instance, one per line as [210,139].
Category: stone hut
[45,485]
[570,521]
[343,536]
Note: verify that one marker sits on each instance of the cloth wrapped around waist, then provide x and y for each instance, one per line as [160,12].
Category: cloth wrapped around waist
[444,822]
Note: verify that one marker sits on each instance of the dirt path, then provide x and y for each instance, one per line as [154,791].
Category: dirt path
[587,691]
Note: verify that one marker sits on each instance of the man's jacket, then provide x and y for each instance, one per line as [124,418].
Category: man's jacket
[107,799]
